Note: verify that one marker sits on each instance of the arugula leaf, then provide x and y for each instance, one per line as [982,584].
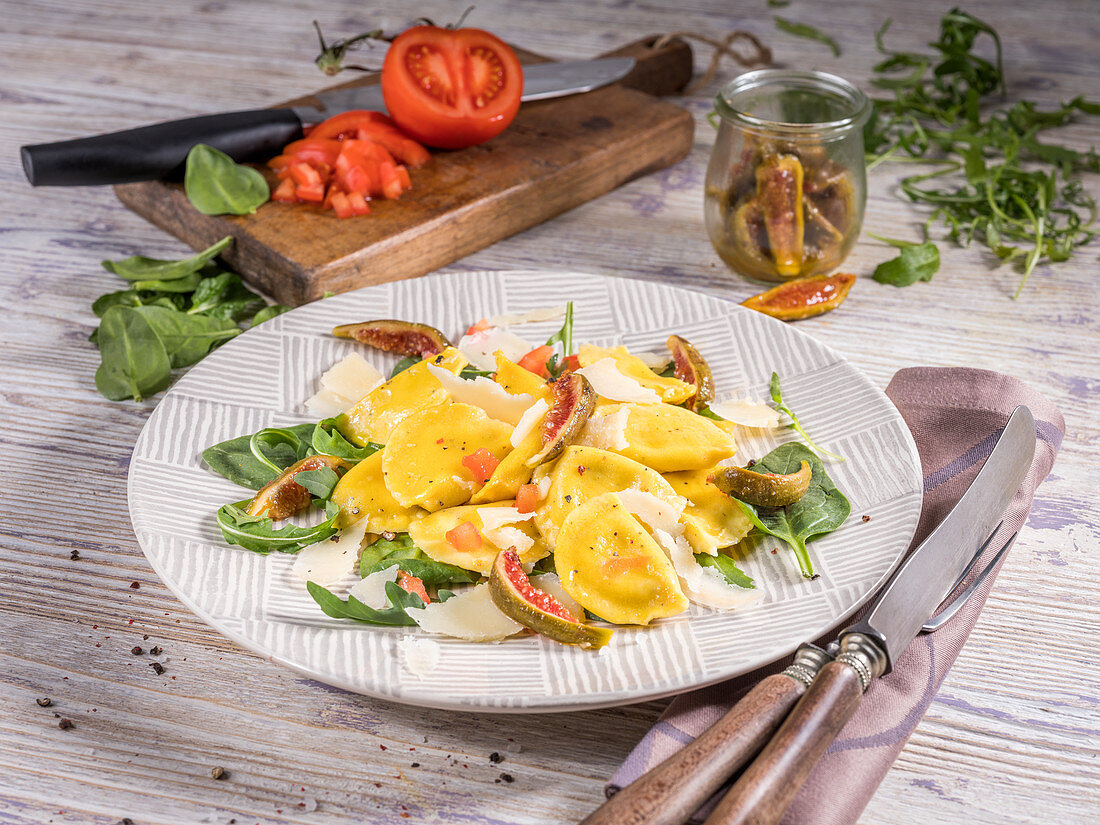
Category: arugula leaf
[564,336]
[260,535]
[821,510]
[809,32]
[319,482]
[432,573]
[140,268]
[275,436]
[133,361]
[728,568]
[328,440]
[393,616]
[217,185]
[469,373]
[915,262]
[404,363]
[235,459]
[777,397]
[399,547]
[186,338]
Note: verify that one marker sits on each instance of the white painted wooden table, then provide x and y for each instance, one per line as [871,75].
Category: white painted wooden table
[1012,736]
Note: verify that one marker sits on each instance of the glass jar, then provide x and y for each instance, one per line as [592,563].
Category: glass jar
[786,185]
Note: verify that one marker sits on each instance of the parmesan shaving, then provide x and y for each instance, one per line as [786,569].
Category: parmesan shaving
[606,432]
[469,615]
[543,487]
[486,394]
[509,538]
[654,360]
[342,385]
[420,655]
[747,413]
[543,314]
[371,590]
[609,382]
[479,347]
[494,517]
[329,561]
[529,420]
[703,585]
[656,512]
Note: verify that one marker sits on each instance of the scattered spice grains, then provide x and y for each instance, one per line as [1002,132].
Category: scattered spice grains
[866,519]
[137,650]
[507,777]
[135,585]
[496,758]
[218,772]
[65,724]
[158,668]
[44,701]
[155,650]
[414,765]
[74,555]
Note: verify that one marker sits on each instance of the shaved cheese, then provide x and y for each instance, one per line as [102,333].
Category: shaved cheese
[543,487]
[656,361]
[485,393]
[494,517]
[528,421]
[371,590]
[420,655]
[479,347]
[747,413]
[609,382]
[656,512]
[344,383]
[329,561]
[606,432]
[549,583]
[703,585]
[509,538]
[469,615]
[544,314]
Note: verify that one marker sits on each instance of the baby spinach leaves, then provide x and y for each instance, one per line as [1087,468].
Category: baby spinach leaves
[777,397]
[807,31]
[728,568]
[260,535]
[328,440]
[218,185]
[237,460]
[821,510]
[173,314]
[916,262]
[394,616]
[401,552]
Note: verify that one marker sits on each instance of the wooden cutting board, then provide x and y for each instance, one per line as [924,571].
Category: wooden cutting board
[557,154]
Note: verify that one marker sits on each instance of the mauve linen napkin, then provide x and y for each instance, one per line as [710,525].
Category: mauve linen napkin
[955,416]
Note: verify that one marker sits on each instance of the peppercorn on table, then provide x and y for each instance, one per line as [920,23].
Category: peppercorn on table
[121,705]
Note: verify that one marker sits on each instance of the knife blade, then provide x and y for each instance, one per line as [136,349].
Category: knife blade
[157,150]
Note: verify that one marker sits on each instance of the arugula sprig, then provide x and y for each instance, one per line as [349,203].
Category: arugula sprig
[777,397]
[260,535]
[395,615]
[563,336]
[996,181]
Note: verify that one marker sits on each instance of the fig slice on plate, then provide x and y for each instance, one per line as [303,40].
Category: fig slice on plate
[571,404]
[284,497]
[803,297]
[401,337]
[519,600]
[691,368]
[763,489]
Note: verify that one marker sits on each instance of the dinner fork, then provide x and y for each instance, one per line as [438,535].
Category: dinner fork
[671,792]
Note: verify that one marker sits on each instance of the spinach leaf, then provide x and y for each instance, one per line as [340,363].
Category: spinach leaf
[915,262]
[260,535]
[404,363]
[328,440]
[140,268]
[133,361]
[728,568]
[777,397]
[399,547]
[187,283]
[216,288]
[217,185]
[267,313]
[319,482]
[394,616]
[186,338]
[235,460]
[123,298]
[821,510]
[432,573]
[809,32]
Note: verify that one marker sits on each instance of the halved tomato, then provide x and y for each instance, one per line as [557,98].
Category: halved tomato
[451,88]
[346,124]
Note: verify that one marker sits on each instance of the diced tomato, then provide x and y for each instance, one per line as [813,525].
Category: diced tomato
[341,206]
[391,184]
[305,175]
[314,151]
[403,174]
[285,192]
[311,194]
[346,124]
[411,584]
[481,463]
[406,150]
[464,537]
[535,361]
[480,326]
[358,203]
[527,498]
[281,162]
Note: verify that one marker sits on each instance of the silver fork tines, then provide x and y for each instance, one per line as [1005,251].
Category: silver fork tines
[953,607]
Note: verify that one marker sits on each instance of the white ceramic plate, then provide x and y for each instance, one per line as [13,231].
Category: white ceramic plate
[263,378]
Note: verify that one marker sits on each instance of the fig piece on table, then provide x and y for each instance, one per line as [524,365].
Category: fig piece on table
[691,368]
[519,600]
[763,489]
[571,404]
[803,297]
[284,497]
[400,337]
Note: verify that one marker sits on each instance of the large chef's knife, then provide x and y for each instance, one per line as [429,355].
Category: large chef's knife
[670,792]
[151,152]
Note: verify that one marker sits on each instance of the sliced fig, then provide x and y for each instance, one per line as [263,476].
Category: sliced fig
[571,404]
[401,337]
[519,600]
[763,489]
[803,297]
[691,368]
[283,497]
[779,191]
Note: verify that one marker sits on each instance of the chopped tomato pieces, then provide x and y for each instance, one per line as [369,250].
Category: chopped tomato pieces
[481,463]
[285,192]
[340,205]
[464,537]
[527,498]
[535,361]
[480,326]
[411,584]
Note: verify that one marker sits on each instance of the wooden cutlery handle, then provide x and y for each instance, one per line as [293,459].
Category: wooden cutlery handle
[762,793]
[672,791]
[658,71]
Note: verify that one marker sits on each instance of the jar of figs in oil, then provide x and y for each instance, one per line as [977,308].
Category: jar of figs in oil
[786,185]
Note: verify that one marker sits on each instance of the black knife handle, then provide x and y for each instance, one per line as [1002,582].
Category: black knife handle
[151,152]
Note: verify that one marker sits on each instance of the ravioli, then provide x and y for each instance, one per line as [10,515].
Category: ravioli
[712,519]
[517,380]
[361,494]
[430,535]
[667,438]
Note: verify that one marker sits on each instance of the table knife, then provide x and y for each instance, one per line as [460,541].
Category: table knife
[824,691]
[151,152]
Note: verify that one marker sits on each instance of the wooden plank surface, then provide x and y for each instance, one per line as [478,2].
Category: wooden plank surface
[556,154]
[1013,733]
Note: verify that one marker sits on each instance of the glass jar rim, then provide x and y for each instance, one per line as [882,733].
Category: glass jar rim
[784,78]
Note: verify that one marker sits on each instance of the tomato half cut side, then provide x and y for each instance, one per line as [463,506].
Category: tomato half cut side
[451,88]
